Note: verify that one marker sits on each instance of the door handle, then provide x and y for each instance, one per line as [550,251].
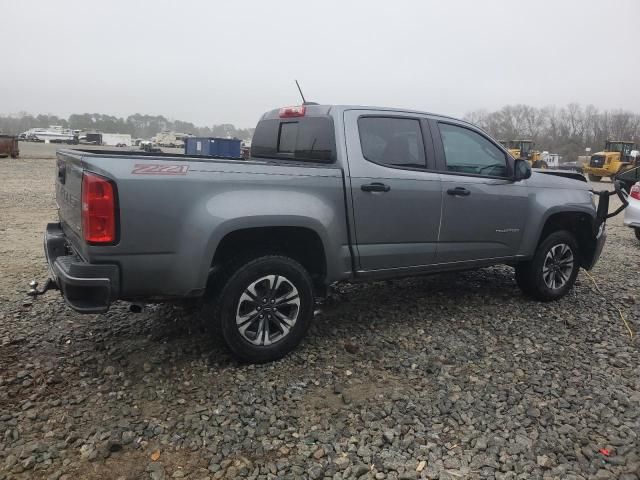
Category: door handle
[459,192]
[375,187]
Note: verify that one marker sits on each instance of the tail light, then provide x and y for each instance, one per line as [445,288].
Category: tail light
[98,209]
[289,112]
[635,191]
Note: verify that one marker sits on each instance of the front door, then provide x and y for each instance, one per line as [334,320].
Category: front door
[483,209]
[396,200]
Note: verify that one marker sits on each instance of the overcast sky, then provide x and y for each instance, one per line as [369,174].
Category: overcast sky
[213,62]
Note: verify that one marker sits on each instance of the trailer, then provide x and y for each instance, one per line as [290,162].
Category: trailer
[116,139]
[9,146]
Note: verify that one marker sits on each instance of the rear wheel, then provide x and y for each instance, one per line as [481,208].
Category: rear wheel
[265,308]
[637,230]
[553,270]
[594,178]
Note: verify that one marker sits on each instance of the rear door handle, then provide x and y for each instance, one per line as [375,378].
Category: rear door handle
[375,187]
[459,191]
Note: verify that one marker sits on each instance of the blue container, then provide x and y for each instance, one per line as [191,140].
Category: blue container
[212,147]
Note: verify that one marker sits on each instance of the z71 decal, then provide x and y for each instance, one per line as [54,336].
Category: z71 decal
[159,169]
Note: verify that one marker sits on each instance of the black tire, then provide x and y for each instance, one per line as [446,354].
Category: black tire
[637,230]
[229,302]
[529,275]
[594,178]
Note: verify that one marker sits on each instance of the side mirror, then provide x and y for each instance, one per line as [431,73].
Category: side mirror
[522,169]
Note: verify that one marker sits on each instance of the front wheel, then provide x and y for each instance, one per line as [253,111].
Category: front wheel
[552,271]
[637,230]
[594,178]
[265,308]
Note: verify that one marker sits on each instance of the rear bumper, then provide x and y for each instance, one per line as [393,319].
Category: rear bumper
[86,287]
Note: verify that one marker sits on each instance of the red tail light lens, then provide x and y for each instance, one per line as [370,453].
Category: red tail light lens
[289,112]
[635,191]
[98,209]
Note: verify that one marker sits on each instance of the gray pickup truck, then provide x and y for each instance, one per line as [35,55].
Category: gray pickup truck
[329,194]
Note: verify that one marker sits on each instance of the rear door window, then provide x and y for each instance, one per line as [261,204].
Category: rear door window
[392,141]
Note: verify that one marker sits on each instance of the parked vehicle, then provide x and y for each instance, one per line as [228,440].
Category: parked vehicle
[9,146]
[628,177]
[329,194]
[171,139]
[53,134]
[613,160]
[632,212]
[572,166]
[525,149]
[115,139]
[150,147]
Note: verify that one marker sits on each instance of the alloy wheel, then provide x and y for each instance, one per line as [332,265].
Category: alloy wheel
[267,310]
[558,266]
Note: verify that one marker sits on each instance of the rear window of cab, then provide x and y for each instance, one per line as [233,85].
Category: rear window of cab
[306,139]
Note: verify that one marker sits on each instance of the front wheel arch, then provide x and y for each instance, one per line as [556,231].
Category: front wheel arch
[580,225]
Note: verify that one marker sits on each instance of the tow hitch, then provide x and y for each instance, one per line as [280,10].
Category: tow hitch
[48,285]
[602,214]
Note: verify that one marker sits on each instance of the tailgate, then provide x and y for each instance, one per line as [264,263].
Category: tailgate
[68,194]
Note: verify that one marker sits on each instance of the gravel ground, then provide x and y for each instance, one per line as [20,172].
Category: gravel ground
[449,377]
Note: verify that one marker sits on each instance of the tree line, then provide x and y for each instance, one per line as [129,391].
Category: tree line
[138,125]
[567,130]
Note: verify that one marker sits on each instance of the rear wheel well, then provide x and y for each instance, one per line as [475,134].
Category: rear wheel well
[299,243]
[580,226]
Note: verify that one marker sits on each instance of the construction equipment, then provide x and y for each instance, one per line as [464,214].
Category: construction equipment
[616,158]
[524,149]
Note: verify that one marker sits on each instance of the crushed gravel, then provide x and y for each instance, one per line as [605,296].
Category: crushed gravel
[443,377]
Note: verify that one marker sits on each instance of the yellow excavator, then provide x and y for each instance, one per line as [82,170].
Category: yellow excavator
[616,158]
[524,149]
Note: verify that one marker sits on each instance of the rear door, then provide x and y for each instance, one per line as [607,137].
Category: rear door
[484,210]
[395,191]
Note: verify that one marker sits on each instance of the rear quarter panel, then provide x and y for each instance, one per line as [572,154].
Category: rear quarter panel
[171,223]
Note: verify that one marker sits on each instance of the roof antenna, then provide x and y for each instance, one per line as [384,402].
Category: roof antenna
[304,102]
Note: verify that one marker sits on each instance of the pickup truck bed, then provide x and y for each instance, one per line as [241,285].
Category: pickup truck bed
[189,204]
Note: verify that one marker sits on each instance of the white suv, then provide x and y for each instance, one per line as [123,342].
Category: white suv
[632,212]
